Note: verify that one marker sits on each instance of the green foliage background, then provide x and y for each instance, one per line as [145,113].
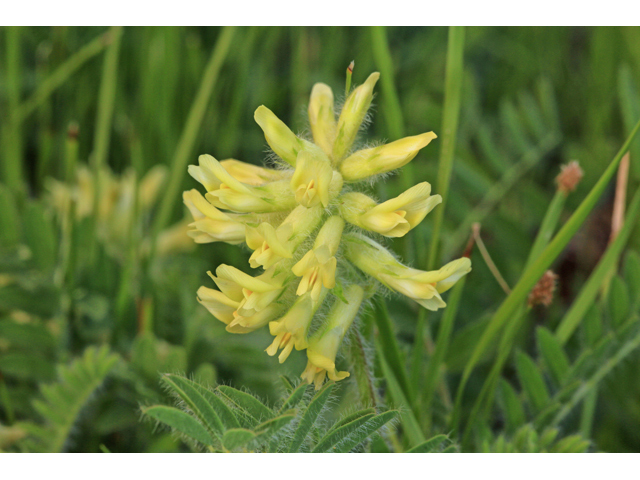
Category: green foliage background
[531,100]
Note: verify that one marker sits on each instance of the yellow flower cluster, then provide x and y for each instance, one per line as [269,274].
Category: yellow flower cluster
[293,219]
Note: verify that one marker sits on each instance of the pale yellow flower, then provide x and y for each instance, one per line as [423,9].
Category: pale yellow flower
[322,117]
[280,138]
[272,244]
[226,192]
[212,225]
[422,287]
[292,329]
[253,174]
[318,266]
[384,158]
[393,218]
[324,344]
[352,115]
[314,180]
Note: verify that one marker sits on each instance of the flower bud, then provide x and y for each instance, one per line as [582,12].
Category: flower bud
[422,287]
[393,218]
[210,224]
[324,344]
[351,117]
[322,117]
[314,181]
[271,244]
[291,330]
[373,161]
[318,266]
[226,192]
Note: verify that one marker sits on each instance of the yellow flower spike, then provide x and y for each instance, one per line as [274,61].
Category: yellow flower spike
[393,218]
[382,159]
[212,225]
[322,117]
[270,244]
[351,117]
[314,181]
[226,192]
[324,344]
[291,330]
[318,266]
[280,138]
[253,174]
[422,287]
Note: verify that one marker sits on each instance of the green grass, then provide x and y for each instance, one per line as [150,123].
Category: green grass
[509,106]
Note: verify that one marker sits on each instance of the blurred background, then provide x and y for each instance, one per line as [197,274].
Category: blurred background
[78,104]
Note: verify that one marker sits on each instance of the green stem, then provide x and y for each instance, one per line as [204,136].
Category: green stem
[589,291]
[393,111]
[11,130]
[532,274]
[63,72]
[443,341]
[452,93]
[106,102]
[191,129]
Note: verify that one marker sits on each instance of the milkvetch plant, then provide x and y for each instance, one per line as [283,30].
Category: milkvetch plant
[308,225]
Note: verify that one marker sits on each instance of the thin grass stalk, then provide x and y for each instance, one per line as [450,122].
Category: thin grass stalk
[391,349]
[443,341]
[452,93]
[191,129]
[407,417]
[532,274]
[487,392]
[106,102]
[11,129]
[589,292]
[63,72]
[393,111]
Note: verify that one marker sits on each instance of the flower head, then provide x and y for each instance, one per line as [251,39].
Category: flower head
[293,219]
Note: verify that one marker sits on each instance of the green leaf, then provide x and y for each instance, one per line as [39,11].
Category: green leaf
[309,417]
[225,414]
[618,301]
[27,336]
[64,400]
[180,421]
[632,276]
[511,405]
[294,398]
[571,444]
[197,403]
[271,427]
[593,327]
[237,438]
[532,381]
[336,435]
[246,403]
[553,355]
[431,445]
[361,434]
